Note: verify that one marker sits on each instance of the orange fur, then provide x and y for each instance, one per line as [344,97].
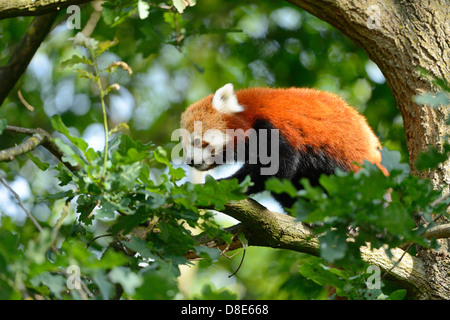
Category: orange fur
[305,117]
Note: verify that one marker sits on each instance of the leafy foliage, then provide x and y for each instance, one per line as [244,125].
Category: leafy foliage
[151,221]
[120,226]
[352,210]
[124,200]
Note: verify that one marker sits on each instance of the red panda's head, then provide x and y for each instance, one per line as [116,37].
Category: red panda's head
[205,125]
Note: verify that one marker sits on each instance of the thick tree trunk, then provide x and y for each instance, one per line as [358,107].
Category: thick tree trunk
[401,37]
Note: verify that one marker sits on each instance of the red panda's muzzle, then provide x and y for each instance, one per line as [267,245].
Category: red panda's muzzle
[203,166]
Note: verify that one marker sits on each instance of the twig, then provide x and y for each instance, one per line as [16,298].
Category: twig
[437,201]
[39,137]
[398,261]
[20,130]
[29,144]
[438,232]
[240,264]
[98,237]
[58,224]
[38,226]
[93,19]
[25,102]
[102,100]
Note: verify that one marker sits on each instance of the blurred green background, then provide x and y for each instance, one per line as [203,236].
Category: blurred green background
[271,43]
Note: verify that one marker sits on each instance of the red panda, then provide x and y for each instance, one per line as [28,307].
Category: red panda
[317,133]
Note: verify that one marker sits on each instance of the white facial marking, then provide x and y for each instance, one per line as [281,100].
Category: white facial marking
[215,138]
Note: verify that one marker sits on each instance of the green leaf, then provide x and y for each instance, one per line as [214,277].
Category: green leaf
[41,165]
[243,240]
[106,210]
[140,246]
[209,293]
[36,251]
[397,295]
[115,13]
[127,151]
[91,155]
[177,173]
[129,175]
[322,276]
[55,282]
[108,13]
[208,255]
[281,186]
[75,60]
[58,125]
[213,193]
[301,209]
[59,195]
[333,245]
[85,205]
[391,161]
[105,45]
[129,280]
[432,157]
[83,74]
[105,286]
[162,157]
[64,175]
[69,154]
[158,284]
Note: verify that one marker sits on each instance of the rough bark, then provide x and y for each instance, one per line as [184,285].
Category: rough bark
[265,228]
[410,35]
[15,8]
[24,52]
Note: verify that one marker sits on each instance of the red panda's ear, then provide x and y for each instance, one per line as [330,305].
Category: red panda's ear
[225,100]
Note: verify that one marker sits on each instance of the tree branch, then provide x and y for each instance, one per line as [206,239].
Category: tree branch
[15,8]
[265,228]
[219,243]
[21,57]
[270,229]
[404,269]
[438,232]
[39,137]
[29,144]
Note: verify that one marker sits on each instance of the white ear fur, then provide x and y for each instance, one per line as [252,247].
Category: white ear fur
[225,100]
